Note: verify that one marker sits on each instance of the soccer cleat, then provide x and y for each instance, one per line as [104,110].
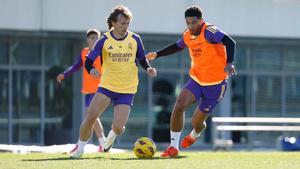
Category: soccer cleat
[74,149]
[76,152]
[170,152]
[100,149]
[187,141]
[109,141]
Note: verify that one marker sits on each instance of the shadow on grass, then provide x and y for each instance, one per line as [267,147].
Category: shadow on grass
[64,158]
[154,158]
[102,158]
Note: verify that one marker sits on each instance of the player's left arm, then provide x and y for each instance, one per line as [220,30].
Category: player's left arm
[74,68]
[140,56]
[214,35]
[168,50]
[95,52]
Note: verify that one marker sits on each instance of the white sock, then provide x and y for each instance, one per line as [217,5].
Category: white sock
[101,141]
[110,139]
[194,134]
[175,137]
[111,133]
[81,144]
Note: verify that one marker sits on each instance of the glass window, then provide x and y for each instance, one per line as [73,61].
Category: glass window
[3,52]
[26,52]
[241,96]
[26,106]
[291,59]
[3,106]
[26,94]
[293,96]
[26,132]
[4,94]
[267,58]
[59,52]
[58,107]
[4,131]
[242,60]
[268,96]
[58,96]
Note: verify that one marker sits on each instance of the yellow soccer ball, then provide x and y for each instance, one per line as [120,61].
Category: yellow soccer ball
[144,147]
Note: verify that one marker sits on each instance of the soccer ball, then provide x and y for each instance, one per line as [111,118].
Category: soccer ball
[144,147]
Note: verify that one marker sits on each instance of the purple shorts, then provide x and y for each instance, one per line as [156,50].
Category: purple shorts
[117,98]
[208,96]
[88,99]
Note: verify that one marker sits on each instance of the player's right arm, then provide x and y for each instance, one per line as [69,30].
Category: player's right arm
[89,62]
[168,50]
[74,68]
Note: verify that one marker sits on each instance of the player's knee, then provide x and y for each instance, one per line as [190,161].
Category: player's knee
[180,105]
[91,117]
[118,129]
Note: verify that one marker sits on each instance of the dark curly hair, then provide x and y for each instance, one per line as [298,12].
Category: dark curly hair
[118,10]
[193,11]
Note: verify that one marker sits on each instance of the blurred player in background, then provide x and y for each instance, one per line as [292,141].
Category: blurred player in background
[212,53]
[119,49]
[89,83]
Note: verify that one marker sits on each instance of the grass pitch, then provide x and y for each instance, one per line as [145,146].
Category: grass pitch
[186,160]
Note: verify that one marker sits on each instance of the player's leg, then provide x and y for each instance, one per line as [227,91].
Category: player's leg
[98,105]
[98,128]
[122,109]
[198,124]
[211,96]
[99,131]
[184,99]
[121,114]
[188,96]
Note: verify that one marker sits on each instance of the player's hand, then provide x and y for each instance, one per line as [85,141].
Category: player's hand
[95,74]
[230,69]
[151,72]
[60,78]
[151,55]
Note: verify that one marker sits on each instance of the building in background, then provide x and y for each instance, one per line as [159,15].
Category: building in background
[40,38]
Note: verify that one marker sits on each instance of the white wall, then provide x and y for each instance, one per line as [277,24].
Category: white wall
[271,18]
[261,18]
[20,14]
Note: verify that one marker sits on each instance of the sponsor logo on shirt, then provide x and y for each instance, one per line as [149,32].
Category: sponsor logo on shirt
[119,57]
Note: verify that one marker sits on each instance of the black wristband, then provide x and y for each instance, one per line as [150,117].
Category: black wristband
[144,63]
[88,64]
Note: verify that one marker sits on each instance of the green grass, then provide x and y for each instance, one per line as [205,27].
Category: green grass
[189,160]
